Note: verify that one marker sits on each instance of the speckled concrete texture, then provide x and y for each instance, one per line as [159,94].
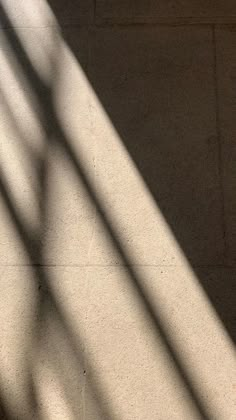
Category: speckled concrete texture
[166,11]
[117,210]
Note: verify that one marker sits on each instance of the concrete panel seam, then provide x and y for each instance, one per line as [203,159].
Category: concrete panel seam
[219,139]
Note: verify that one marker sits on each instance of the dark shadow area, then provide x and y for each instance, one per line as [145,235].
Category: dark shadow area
[160,93]
[4,411]
[154,161]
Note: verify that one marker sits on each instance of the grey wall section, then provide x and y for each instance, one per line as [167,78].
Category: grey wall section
[117,227]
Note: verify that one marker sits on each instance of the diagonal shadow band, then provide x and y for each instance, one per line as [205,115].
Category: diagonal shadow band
[42,278]
[53,130]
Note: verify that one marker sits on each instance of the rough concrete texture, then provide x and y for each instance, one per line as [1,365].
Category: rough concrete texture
[152,10]
[117,210]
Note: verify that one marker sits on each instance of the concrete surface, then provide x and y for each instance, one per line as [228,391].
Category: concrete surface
[151,10]
[117,210]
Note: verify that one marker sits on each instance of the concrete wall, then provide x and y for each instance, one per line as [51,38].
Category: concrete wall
[117,211]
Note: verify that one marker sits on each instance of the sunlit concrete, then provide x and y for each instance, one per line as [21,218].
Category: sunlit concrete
[37,13]
[127,350]
[116,213]
[19,297]
[163,102]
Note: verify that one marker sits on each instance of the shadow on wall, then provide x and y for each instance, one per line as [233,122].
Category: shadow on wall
[179,165]
[32,241]
[158,87]
[33,245]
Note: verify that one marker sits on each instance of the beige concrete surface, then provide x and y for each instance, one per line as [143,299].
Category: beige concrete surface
[38,13]
[162,103]
[117,224]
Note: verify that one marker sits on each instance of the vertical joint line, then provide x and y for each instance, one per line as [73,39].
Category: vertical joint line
[94,10]
[219,140]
